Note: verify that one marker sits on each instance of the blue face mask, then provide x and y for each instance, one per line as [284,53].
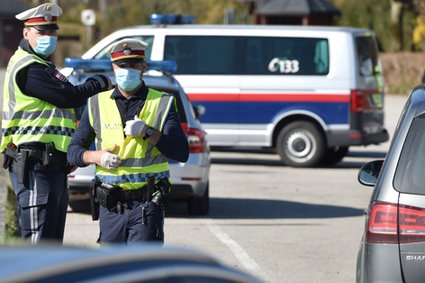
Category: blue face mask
[128,79]
[45,45]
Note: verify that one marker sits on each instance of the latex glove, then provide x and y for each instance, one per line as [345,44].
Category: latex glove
[134,127]
[110,161]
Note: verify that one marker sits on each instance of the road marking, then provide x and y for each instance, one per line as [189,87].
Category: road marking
[236,249]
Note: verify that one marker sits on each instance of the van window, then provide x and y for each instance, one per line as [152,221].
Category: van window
[106,52]
[367,55]
[232,55]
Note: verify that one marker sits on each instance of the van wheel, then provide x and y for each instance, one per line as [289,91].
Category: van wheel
[301,144]
[334,155]
[200,205]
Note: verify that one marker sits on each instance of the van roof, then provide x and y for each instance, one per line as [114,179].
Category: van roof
[250,27]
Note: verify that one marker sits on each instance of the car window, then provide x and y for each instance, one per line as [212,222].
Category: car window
[227,55]
[367,55]
[409,176]
[105,53]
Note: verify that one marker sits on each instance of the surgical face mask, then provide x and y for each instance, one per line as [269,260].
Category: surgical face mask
[45,45]
[128,79]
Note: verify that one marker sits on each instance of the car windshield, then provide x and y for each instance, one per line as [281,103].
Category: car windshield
[409,176]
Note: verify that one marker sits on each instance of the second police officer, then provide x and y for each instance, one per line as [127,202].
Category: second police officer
[135,130]
[38,122]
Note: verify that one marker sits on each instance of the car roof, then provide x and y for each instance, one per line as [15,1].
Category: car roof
[249,27]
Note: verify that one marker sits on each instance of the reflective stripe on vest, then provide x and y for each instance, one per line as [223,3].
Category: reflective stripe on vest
[29,119]
[140,160]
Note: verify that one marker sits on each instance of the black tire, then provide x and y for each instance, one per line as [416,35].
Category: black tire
[199,205]
[301,144]
[334,155]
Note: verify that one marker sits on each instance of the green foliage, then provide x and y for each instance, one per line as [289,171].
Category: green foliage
[407,24]
[12,226]
[375,15]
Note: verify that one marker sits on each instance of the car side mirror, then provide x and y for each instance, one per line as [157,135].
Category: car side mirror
[368,174]
[199,111]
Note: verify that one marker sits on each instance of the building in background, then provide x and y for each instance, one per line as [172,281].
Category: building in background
[292,12]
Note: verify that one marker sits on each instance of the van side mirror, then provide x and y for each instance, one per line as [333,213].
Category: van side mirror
[368,174]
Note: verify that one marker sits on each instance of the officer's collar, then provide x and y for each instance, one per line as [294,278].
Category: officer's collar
[142,93]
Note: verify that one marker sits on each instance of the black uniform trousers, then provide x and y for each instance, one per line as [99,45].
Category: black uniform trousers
[131,222]
[42,202]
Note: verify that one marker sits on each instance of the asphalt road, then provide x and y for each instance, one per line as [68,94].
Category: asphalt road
[279,223]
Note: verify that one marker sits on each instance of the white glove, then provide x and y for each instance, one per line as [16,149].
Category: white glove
[134,127]
[110,161]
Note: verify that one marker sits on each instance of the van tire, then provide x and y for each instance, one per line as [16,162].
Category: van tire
[199,205]
[334,155]
[301,144]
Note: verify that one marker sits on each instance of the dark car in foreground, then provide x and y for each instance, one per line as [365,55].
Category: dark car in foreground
[393,245]
[145,263]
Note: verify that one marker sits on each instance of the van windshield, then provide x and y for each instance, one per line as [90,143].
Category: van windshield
[367,56]
[248,55]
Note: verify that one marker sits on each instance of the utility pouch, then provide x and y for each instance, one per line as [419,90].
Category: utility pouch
[22,166]
[51,156]
[106,195]
[94,202]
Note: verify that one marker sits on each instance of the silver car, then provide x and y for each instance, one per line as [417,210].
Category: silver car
[190,180]
[393,245]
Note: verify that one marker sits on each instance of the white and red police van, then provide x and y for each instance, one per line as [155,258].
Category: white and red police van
[308,92]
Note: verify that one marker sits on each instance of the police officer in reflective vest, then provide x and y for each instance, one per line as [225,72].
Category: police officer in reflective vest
[135,130]
[38,122]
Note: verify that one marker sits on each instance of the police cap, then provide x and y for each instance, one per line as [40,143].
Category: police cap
[131,50]
[43,17]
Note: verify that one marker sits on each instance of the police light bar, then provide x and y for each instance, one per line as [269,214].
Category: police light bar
[88,64]
[158,19]
[106,64]
[168,66]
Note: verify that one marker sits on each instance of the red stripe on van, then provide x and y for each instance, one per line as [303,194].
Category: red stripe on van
[266,97]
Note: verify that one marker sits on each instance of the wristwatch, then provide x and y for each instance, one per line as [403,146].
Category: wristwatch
[148,134]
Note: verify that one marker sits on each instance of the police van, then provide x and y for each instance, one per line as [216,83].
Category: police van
[309,93]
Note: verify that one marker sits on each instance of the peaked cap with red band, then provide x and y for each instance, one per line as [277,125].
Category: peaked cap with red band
[128,49]
[43,17]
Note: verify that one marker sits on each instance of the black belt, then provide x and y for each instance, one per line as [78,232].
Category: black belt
[140,194]
[119,194]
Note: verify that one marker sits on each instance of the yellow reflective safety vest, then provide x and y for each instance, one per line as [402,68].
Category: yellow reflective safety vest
[29,119]
[139,159]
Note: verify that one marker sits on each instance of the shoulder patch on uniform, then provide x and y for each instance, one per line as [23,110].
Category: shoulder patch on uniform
[59,75]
